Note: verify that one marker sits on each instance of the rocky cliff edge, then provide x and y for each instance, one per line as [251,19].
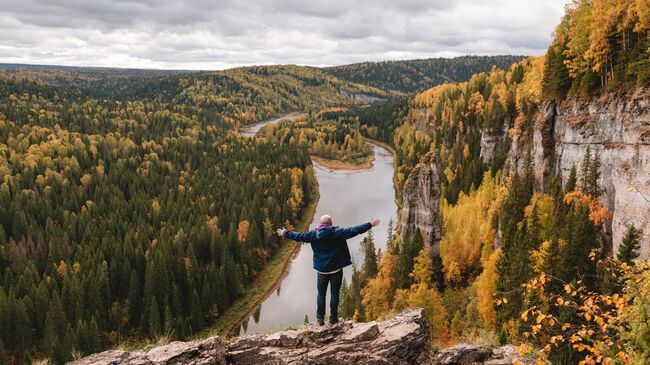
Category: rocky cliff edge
[402,339]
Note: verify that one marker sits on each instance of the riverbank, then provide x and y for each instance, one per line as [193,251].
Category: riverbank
[267,281]
[382,144]
[343,165]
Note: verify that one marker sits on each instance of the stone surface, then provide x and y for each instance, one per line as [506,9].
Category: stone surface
[421,202]
[616,126]
[211,351]
[400,340]
[466,354]
[489,140]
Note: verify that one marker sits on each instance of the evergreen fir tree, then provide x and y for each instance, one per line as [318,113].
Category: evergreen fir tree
[556,80]
[196,314]
[581,237]
[67,344]
[593,186]
[585,170]
[370,256]
[168,319]
[94,336]
[55,331]
[154,318]
[571,181]
[135,299]
[628,250]
[408,251]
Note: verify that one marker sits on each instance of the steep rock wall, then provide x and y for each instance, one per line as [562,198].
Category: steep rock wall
[421,202]
[616,126]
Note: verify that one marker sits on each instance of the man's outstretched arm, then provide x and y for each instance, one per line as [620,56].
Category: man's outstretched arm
[357,230]
[296,236]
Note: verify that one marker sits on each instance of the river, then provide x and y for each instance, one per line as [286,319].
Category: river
[253,129]
[351,198]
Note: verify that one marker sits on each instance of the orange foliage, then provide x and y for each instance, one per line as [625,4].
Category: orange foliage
[242,230]
[62,269]
[376,296]
[593,330]
[598,213]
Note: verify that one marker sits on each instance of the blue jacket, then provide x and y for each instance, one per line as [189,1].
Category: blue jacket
[329,244]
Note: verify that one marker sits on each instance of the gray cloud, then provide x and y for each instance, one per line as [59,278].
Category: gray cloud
[207,34]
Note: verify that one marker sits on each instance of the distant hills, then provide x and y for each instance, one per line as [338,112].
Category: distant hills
[387,77]
[417,75]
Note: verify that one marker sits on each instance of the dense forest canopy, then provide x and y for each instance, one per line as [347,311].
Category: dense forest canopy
[417,75]
[136,218]
[242,95]
[599,44]
[329,139]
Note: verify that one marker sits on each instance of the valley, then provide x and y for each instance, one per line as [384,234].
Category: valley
[142,207]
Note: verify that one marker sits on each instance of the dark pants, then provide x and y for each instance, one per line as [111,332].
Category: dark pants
[334,280]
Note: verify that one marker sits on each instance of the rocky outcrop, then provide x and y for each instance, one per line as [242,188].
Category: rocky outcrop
[421,202]
[209,351]
[402,339]
[490,139]
[466,354]
[616,126]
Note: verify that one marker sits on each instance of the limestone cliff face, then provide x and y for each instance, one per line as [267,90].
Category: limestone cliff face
[421,202]
[490,139]
[616,126]
[402,339]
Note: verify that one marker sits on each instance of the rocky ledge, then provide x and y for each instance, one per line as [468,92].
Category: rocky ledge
[402,339]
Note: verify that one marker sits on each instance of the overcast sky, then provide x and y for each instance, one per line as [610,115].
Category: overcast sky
[217,34]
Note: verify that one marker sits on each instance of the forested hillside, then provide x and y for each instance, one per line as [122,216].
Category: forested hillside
[526,252]
[324,138]
[133,207]
[129,219]
[417,75]
[242,95]
[599,44]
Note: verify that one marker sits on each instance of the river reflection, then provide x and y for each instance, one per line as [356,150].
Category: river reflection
[351,197]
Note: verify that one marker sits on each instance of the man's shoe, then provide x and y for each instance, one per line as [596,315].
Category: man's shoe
[321,322]
[334,321]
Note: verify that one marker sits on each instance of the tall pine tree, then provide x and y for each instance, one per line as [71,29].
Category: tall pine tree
[628,251]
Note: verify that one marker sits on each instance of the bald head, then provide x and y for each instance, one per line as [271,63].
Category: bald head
[326,219]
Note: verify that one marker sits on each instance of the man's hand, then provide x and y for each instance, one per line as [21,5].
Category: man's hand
[281,231]
[375,222]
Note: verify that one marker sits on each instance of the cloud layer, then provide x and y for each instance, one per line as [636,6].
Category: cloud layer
[209,34]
